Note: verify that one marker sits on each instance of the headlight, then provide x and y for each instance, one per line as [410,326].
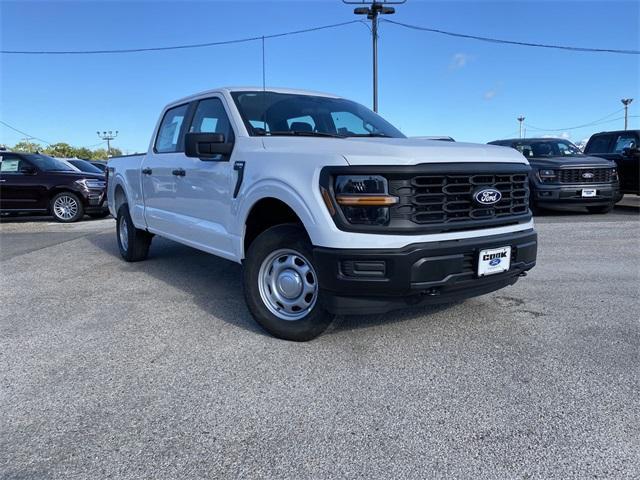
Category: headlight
[614,175]
[547,175]
[364,199]
[90,184]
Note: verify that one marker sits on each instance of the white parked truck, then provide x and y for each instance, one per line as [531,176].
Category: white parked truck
[329,208]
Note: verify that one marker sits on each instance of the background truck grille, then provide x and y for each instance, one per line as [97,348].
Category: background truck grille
[447,199]
[585,175]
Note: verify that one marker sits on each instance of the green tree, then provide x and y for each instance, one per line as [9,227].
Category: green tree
[83,152]
[27,147]
[60,149]
[99,154]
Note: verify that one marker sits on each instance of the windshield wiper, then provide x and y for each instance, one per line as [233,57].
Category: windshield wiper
[300,133]
[371,134]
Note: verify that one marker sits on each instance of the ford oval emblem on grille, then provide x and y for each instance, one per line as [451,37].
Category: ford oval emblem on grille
[587,175]
[487,196]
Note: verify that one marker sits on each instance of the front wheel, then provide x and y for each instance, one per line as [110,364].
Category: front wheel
[66,207]
[281,286]
[600,209]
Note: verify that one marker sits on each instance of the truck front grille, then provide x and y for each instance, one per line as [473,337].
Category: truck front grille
[446,200]
[585,175]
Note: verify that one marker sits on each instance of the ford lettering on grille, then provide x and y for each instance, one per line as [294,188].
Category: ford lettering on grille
[487,196]
[587,175]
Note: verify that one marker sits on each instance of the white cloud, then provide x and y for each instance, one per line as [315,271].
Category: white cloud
[459,60]
[489,94]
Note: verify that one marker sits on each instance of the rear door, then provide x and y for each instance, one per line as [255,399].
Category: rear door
[21,186]
[158,182]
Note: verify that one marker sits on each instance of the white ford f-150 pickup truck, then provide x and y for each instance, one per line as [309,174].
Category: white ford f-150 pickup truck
[330,209]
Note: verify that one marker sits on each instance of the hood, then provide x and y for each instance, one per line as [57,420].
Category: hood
[573,161]
[394,151]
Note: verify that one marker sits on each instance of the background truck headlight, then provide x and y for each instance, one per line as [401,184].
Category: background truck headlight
[547,175]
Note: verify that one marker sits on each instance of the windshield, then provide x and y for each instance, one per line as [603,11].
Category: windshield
[271,113]
[547,148]
[85,166]
[48,164]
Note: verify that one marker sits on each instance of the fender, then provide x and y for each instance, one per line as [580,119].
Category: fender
[272,188]
[133,198]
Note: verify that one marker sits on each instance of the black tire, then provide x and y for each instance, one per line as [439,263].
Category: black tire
[600,209]
[137,241]
[291,238]
[66,207]
[99,215]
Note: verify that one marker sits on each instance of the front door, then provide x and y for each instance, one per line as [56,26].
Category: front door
[20,186]
[204,188]
[190,199]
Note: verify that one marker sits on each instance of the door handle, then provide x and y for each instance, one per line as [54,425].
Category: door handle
[2,181]
[179,172]
[147,171]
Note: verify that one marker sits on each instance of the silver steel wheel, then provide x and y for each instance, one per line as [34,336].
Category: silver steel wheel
[65,207]
[288,284]
[124,233]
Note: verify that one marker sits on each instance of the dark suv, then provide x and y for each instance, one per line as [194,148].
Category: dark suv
[562,175]
[31,182]
[622,147]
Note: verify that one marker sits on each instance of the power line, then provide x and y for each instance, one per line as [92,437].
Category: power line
[594,122]
[513,42]
[177,47]
[24,133]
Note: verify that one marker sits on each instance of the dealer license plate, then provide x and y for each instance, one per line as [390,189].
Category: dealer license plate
[589,192]
[494,260]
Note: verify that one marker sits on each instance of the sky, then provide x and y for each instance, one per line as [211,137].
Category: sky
[429,84]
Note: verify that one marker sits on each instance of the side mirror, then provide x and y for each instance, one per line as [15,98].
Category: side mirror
[207,146]
[631,152]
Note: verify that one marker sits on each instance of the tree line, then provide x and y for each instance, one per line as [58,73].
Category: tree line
[65,150]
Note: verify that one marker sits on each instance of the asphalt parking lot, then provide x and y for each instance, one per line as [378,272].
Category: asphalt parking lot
[156,369]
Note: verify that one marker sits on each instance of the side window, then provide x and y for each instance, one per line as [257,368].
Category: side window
[599,144]
[168,139]
[624,141]
[10,163]
[210,117]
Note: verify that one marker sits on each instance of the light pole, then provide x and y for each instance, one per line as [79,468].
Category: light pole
[108,136]
[372,11]
[521,119]
[626,102]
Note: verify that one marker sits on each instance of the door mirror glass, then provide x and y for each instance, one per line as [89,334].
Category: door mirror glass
[207,146]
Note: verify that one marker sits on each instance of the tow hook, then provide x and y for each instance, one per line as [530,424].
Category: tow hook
[522,274]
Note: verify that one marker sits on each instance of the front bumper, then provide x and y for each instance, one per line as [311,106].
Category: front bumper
[95,201]
[375,281]
[563,194]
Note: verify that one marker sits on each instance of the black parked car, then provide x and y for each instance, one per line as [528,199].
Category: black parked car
[622,147]
[31,182]
[562,175]
[102,166]
[84,165]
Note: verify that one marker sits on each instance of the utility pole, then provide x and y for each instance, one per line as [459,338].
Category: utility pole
[521,119]
[626,102]
[373,11]
[108,136]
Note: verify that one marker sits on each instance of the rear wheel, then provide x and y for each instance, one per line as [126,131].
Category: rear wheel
[600,209]
[132,242]
[281,286]
[66,207]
